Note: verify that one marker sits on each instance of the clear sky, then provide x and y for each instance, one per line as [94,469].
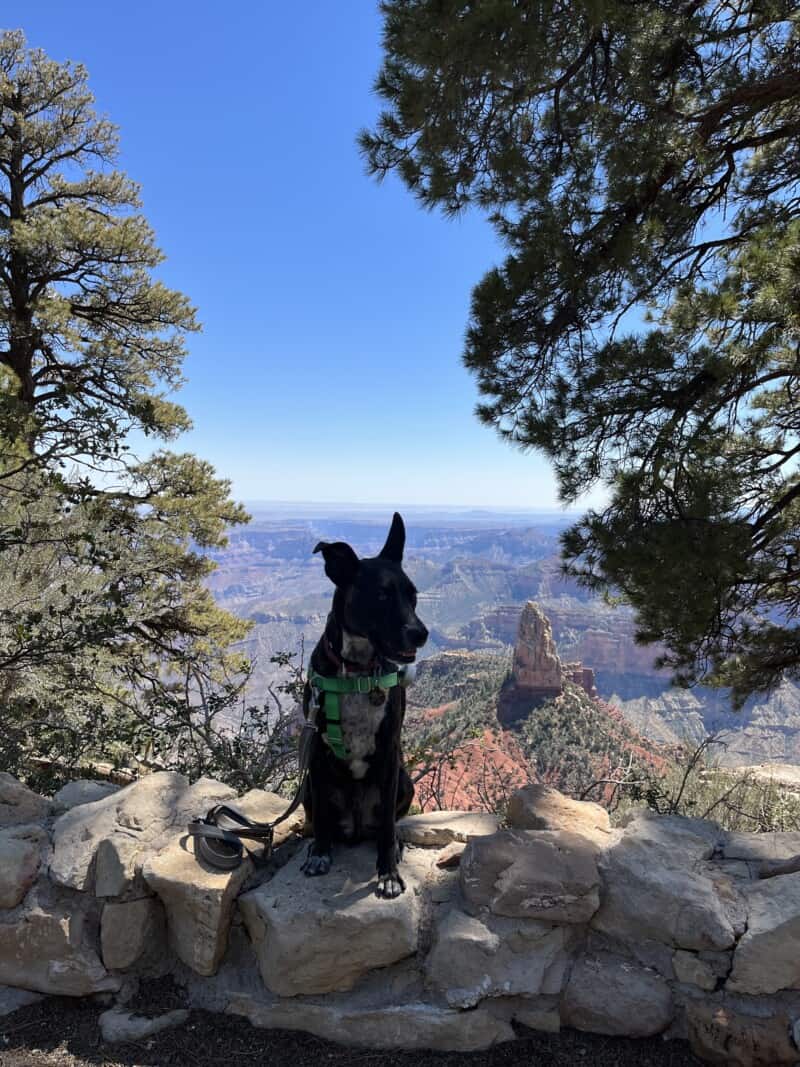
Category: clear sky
[333,307]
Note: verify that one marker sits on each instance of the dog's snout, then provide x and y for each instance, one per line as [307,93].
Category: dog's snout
[417,634]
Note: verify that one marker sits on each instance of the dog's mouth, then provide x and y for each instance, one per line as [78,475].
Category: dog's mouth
[404,657]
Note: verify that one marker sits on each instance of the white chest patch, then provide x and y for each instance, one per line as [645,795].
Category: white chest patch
[361,720]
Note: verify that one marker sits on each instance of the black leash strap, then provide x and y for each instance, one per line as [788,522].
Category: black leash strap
[221,845]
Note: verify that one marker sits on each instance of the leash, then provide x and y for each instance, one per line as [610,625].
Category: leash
[221,845]
[218,836]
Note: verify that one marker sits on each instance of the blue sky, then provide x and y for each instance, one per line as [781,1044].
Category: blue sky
[333,307]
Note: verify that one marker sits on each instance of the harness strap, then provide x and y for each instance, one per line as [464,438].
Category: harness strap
[333,688]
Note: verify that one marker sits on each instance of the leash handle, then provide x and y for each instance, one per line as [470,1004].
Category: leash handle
[221,846]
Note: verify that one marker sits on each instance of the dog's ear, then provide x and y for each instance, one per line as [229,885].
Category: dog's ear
[341,562]
[395,542]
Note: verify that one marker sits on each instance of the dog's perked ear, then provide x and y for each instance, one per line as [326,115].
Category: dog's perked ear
[395,542]
[341,562]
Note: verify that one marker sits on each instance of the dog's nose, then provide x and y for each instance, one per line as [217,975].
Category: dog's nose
[418,635]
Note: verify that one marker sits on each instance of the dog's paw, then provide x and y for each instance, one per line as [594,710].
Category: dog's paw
[315,865]
[389,885]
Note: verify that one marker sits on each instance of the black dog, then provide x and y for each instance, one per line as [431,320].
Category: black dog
[357,786]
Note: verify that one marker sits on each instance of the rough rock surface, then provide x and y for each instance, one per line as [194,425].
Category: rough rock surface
[729,1032]
[20,805]
[472,959]
[316,935]
[118,1025]
[437,828]
[532,874]
[648,893]
[406,1026]
[609,995]
[20,857]
[539,807]
[146,813]
[767,957]
[49,949]
[82,791]
[198,900]
[129,930]
[536,662]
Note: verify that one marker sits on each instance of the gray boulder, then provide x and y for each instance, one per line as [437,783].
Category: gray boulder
[20,805]
[316,935]
[767,958]
[609,995]
[532,874]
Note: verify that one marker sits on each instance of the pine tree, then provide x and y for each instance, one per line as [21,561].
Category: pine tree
[641,162]
[105,623]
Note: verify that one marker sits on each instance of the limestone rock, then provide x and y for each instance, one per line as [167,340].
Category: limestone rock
[198,900]
[50,951]
[118,1025]
[536,662]
[18,804]
[648,893]
[692,970]
[13,999]
[532,874]
[609,995]
[450,856]
[82,791]
[406,1026]
[316,935]
[437,828]
[129,930]
[148,813]
[720,1031]
[685,841]
[471,960]
[538,1016]
[20,850]
[116,861]
[780,845]
[540,807]
[766,958]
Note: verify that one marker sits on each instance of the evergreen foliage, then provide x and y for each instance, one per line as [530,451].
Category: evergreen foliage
[640,161]
[106,629]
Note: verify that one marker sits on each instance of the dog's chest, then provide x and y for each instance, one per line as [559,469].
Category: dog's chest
[361,720]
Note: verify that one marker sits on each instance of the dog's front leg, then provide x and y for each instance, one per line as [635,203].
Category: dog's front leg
[390,883]
[318,857]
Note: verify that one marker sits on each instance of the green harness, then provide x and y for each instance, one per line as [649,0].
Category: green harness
[333,688]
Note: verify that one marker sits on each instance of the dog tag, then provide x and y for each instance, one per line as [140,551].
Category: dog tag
[377,696]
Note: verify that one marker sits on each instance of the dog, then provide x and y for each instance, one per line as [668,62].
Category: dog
[358,789]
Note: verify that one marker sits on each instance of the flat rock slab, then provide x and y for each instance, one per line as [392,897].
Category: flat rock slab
[780,845]
[438,828]
[145,815]
[539,807]
[533,874]
[317,935]
[767,957]
[609,995]
[198,900]
[123,1026]
[18,804]
[407,1026]
[472,959]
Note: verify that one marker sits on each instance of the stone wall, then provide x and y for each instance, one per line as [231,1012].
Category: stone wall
[554,919]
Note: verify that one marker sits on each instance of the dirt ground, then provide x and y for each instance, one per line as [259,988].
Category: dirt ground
[63,1032]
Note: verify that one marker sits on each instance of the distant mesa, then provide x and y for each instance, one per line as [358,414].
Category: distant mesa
[537,674]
